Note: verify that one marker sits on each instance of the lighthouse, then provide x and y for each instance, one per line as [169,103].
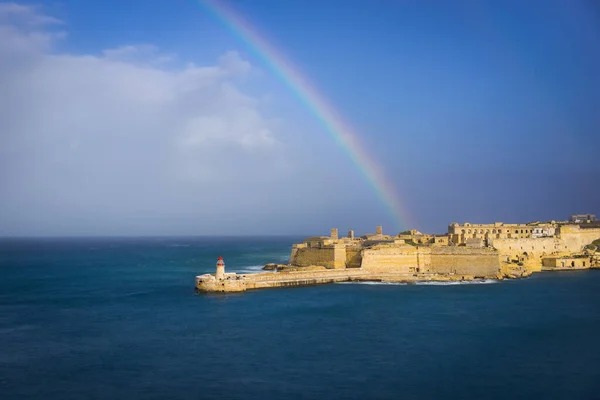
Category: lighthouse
[220,269]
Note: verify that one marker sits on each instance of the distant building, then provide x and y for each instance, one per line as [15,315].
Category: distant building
[459,233]
[541,229]
[576,218]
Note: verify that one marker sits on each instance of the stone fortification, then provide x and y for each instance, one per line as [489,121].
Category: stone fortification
[468,251]
[385,258]
[328,256]
[478,262]
[576,237]
[408,253]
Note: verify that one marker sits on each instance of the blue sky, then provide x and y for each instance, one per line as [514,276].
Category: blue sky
[477,111]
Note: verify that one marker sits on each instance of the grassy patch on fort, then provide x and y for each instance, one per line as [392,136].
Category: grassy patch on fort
[594,246]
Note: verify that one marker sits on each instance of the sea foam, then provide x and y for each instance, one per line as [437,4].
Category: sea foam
[249,269]
[424,283]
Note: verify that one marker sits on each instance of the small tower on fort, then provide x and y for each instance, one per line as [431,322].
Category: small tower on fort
[379,230]
[351,234]
[334,234]
[220,274]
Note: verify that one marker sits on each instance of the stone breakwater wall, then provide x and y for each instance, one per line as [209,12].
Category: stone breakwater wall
[240,283]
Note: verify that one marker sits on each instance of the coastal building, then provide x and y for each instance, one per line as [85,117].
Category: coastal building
[541,229]
[577,218]
[565,263]
[459,233]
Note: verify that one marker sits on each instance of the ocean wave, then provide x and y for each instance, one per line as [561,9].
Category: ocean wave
[424,283]
[14,329]
[449,283]
[371,283]
[249,268]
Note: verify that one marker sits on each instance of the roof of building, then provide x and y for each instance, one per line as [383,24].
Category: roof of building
[316,238]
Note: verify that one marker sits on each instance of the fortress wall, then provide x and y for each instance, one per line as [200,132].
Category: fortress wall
[435,259]
[536,248]
[514,247]
[464,261]
[424,260]
[353,257]
[293,253]
[575,239]
[329,257]
[313,256]
[571,240]
[339,256]
[390,259]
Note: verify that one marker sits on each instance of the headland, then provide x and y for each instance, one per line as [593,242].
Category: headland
[466,252]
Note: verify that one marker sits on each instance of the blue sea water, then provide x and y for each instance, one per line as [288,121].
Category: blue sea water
[117,318]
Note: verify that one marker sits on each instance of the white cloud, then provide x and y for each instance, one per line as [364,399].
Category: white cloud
[141,54]
[85,134]
[25,14]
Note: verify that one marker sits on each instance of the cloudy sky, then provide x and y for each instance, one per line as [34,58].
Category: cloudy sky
[153,118]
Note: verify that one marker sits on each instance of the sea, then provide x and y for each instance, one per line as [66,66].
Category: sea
[118,318]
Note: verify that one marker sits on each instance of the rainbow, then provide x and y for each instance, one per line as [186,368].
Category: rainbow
[316,103]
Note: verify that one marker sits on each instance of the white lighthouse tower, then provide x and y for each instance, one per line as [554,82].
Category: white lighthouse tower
[220,274]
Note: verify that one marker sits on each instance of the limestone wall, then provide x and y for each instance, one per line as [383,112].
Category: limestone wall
[339,256]
[434,259]
[295,248]
[575,238]
[332,256]
[527,251]
[464,261]
[313,256]
[531,251]
[397,259]
[513,247]
[353,257]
